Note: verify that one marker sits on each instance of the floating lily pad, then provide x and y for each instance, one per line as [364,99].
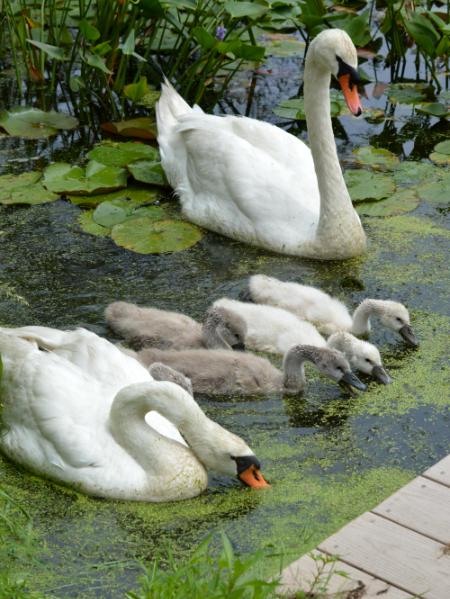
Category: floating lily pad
[402,201]
[406,93]
[145,236]
[139,195]
[148,171]
[295,108]
[283,45]
[24,189]
[410,173]
[434,108]
[62,177]
[441,154]
[33,123]
[87,223]
[377,158]
[365,185]
[142,128]
[121,154]
[119,210]
[437,192]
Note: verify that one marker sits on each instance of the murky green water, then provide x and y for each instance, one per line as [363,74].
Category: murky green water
[328,456]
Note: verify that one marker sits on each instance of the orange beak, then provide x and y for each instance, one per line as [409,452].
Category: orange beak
[253,478]
[350,94]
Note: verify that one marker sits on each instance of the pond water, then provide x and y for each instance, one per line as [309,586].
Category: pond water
[329,456]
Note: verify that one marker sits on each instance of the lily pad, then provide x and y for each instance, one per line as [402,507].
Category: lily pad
[145,236]
[283,45]
[295,107]
[434,108]
[62,177]
[437,192]
[377,158]
[119,210]
[402,201]
[148,171]
[87,223]
[406,93]
[33,123]
[411,173]
[121,154]
[138,195]
[441,154]
[365,185]
[24,189]
[142,128]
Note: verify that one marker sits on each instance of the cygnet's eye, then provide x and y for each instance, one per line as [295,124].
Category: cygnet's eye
[369,361]
[340,369]
[398,319]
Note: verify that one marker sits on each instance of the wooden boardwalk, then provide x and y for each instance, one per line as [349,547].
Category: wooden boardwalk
[398,550]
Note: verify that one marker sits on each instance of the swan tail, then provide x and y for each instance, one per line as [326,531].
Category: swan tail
[169,108]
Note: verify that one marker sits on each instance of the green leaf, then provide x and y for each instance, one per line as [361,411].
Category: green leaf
[437,192]
[406,93]
[252,10]
[122,153]
[136,91]
[151,8]
[401,202]
[366,185]
[422,32]
[33,123]
[411,173]
[142,128]
[434,108]
[116,211]
[377,158]
[145,236]
[443,147]
[204,38]
[87,223]
[147,171]
[95,61]
[88,30]
[136,195]
[24,189]
[61,177]
[52,51]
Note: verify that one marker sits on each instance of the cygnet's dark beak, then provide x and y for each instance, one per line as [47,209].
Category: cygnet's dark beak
[238,346]
[407,333]
[352,380]
[381,376]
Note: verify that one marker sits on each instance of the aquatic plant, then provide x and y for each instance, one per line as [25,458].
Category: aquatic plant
[205,574]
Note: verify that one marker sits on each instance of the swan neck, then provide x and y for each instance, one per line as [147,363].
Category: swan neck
[130,429]
[338,222]
[294,366]
[361,317]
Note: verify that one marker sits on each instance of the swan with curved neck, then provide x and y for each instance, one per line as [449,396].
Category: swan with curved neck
[254,182]
[328,313]
[62,421]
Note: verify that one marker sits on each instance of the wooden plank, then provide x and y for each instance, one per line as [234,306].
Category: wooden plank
[422,505]
[313,574]
[440,472]
[402,557]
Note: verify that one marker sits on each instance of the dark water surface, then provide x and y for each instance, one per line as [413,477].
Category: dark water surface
[329,456]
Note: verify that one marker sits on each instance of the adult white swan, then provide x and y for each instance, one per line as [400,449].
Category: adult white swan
[254,182]
[63,419]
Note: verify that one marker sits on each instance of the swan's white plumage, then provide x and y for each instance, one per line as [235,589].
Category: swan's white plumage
[62,420]
[254,182]
[327,313]
[272,329]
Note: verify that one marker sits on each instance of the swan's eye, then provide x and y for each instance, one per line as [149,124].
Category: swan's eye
[369,361]
[399,320]
[340,369]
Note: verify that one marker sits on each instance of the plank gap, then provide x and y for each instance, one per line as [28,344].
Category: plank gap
[436,480]
[357,567]
[408,527]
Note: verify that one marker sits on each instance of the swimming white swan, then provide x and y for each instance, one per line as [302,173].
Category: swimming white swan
[327,313]
[254,182]
[141,326]
[62,421]
[224,372]
[276,330]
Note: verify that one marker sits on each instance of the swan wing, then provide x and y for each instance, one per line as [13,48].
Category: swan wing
[237,188]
